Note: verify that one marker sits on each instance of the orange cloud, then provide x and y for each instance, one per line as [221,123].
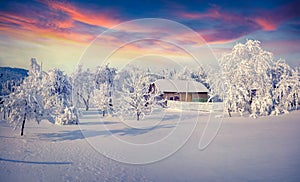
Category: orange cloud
[57,20]
[24,27]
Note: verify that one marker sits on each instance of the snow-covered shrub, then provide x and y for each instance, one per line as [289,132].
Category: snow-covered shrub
[68,116]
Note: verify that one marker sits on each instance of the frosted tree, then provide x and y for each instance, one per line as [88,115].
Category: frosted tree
[83,86]
[255,83]
[246,73]
[183,74]
[169,73]
[9,86]
[26,102]
[57,90]
[105,74]
[286,87]
[215,82]
[261,104]
[23,105]
[102,98]
[134,98]
[200,75]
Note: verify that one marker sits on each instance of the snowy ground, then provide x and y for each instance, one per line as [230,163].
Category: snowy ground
[245,149]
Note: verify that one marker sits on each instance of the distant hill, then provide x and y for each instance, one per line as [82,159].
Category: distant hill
[8,75]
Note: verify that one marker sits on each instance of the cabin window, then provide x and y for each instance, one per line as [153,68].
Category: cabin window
[176,98]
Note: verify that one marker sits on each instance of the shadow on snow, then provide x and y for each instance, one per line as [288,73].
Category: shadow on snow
[34,162]
[82,134]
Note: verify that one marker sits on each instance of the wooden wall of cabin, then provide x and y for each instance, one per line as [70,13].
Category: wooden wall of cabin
[182,96]
[200,95]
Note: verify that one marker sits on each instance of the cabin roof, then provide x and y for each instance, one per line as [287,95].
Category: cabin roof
[166,85]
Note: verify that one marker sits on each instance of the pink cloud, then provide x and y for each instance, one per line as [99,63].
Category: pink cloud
[271,20]
[212,13]
[267,25]
[267,20]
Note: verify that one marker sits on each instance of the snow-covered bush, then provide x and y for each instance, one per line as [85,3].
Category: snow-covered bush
[68,116]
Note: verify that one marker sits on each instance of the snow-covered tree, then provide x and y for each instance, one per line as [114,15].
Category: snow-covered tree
[102,98]
[246,72]
[134,98]
[57,90]
[105,74]
[23,105]
[286,87]
[215,83]
[168,73]
[9,86]
[200,75]
[83,86]
[255,83]
[186,73]
[105,77]
[26,102]
[183,74]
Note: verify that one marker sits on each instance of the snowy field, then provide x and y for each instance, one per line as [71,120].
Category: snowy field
[245,149]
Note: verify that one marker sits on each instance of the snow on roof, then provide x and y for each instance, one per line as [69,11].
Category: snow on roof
[166,85]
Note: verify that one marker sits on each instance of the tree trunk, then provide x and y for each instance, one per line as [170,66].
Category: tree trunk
[8,112]
[138,116]
[229,113]
[86,102]
[23,125]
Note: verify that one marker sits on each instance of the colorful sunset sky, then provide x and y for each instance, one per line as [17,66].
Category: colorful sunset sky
[58,32]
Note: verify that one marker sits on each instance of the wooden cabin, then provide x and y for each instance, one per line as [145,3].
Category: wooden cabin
[181,90]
